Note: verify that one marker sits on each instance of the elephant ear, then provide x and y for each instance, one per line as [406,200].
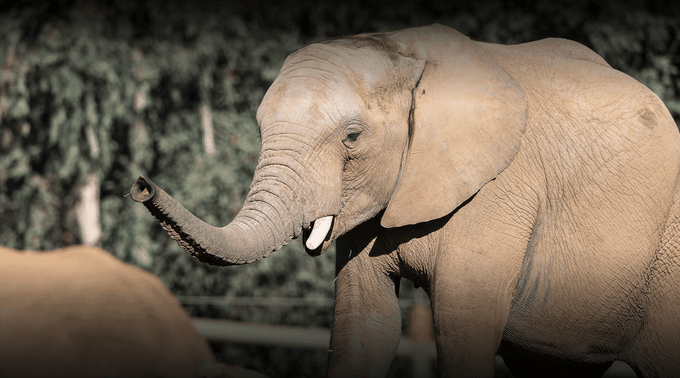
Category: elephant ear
[468,117]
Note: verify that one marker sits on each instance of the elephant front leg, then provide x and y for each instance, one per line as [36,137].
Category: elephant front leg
[469,313]
[367,319]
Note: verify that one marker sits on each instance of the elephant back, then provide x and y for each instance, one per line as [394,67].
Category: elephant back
[79,311]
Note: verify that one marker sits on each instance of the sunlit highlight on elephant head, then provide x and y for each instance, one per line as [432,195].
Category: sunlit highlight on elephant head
[357,126]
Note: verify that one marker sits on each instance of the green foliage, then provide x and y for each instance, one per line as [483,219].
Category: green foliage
[644,46]
[117,90]
[89,95]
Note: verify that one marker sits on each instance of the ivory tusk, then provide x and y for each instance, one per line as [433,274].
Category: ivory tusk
[319,232]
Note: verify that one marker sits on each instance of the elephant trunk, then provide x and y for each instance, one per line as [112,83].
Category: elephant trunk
[255,232]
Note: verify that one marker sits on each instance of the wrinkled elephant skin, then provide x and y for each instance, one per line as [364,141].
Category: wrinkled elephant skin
[532,190]
[80,312]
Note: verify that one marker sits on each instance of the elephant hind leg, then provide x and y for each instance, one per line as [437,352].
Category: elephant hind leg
[656,350]
[526,367]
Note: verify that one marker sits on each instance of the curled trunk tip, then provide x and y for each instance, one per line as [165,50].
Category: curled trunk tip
[143,189]
[148,193]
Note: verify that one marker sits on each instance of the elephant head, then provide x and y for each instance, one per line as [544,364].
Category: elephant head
[405,125]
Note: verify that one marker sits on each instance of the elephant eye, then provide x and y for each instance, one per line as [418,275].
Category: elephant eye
[352,137]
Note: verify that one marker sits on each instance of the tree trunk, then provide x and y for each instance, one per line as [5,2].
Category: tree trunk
[87,211]
[206,121]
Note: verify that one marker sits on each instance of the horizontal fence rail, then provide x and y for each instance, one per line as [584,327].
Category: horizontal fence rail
[421,354]
[275,301]
[293,337]
[256,301]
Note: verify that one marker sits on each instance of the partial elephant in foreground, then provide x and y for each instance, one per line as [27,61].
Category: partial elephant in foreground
[80,312]
[532,190]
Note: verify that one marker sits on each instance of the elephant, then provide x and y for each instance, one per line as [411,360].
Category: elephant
[530,189]
[80,312]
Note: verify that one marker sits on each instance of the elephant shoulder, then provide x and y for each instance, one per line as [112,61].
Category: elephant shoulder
[564,48]
[543,50]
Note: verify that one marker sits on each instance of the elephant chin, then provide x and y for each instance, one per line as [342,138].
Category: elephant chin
[317,238]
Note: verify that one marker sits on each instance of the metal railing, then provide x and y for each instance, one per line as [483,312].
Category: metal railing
[273,301]
[422,355]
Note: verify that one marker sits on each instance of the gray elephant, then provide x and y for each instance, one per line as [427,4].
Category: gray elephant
[80,312]
[532,190]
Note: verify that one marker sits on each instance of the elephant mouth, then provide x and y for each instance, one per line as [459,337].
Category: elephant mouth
[317,238]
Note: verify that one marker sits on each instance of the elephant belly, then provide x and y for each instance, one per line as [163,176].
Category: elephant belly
[585,279]
[534,336]
[581,314]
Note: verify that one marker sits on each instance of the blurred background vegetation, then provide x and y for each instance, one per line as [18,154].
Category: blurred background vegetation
[94,94]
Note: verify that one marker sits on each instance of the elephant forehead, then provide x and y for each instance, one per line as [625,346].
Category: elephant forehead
[308,101]
[324,85]
[344,58]
[331,63]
